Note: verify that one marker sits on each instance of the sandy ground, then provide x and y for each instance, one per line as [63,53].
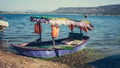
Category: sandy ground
[10,60]
[76,60]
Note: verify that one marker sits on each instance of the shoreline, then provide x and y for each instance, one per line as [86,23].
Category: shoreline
[86,58]
[61,14]
[12,60]
[75,60]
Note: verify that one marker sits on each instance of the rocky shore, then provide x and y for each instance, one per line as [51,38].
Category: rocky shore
[76,60]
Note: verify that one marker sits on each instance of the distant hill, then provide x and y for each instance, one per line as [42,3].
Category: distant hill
[100,10]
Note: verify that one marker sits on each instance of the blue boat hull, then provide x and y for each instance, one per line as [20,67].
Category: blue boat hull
[48,53]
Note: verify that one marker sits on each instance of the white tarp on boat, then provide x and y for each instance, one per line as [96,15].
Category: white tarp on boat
[4,23]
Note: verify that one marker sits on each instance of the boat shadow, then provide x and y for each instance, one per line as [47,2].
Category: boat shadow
[108,62]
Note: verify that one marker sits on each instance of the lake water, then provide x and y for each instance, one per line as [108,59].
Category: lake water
[105,36]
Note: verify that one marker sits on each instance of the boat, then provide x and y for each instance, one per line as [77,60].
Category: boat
[3,23]
[55,48]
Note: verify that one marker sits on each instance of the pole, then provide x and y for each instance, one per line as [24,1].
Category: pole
[80,31]
[53,42]
[1,40]
[40,32]
[72,30]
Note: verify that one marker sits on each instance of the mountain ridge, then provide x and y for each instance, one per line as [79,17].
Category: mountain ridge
[99,10]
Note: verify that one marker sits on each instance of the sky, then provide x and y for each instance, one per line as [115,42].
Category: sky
[49,5]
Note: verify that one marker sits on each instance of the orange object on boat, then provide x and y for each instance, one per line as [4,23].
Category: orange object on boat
[71,27]
[55,31]
[37,28]
[84,29]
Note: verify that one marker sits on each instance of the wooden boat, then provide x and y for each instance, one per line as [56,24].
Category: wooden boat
[54,48]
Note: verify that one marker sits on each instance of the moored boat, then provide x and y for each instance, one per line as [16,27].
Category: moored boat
[46,50]
[55,48]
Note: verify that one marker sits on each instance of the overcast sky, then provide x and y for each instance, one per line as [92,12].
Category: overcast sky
[49,5]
